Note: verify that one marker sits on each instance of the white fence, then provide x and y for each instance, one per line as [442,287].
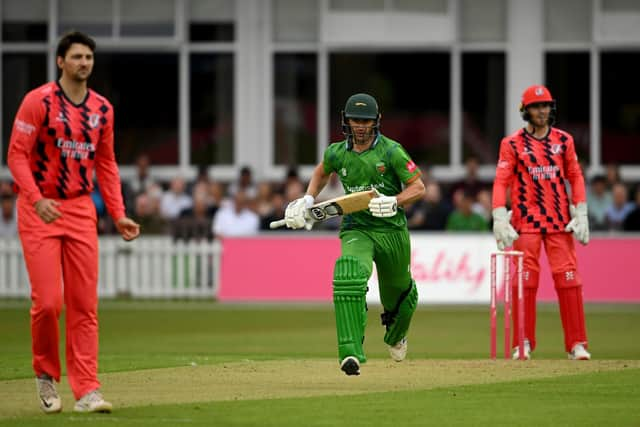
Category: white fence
[152,267]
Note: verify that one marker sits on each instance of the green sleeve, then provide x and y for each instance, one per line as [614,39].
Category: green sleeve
[405,168]
[329,160]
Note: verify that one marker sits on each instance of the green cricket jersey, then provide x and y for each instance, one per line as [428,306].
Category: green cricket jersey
[385,166]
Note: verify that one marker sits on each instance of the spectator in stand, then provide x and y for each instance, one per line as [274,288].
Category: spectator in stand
[146,214]
[598,201]
[236,218]
[482,205]
[8,225]
[613,175]
[471,184]
[142,180]
[620,208]
[244,184]
[632,221]
[195,222]
[263,205]
[432,211]
[463,218]
[175,200]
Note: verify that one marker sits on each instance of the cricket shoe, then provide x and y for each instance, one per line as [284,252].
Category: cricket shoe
[350,366]
[578,352]
[527,351]
[92,402]
[50,402]
[399,351]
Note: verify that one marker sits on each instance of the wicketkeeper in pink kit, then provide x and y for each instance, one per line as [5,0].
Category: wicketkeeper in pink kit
[63,131]
[535,162]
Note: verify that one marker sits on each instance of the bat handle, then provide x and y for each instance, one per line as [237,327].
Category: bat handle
[277,224]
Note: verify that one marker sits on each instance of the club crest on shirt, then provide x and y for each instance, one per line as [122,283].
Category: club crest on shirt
[380,167]
[94,119]
[556,148]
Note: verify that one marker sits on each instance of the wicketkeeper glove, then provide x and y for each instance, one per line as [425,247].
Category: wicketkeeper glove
[296,215]
[383,206]
[503,231]
[579,223]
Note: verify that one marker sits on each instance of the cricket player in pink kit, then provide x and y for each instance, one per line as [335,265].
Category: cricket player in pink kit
[63,131]
[535,162]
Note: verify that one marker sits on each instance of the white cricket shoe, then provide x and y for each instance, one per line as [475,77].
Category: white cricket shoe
[350,365]
[399,351]
[578,352]
[527,351]
[92,402]
[50,402]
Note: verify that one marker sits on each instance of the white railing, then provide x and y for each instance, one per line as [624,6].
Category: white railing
[150,267]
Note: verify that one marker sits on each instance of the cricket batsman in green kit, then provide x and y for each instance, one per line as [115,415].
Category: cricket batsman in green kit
[366,160]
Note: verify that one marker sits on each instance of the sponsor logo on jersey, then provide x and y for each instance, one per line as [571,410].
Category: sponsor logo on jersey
[61,118]
[381,167]
[411,167]
[24,127]
[503,164]
[75,149]
[343,172]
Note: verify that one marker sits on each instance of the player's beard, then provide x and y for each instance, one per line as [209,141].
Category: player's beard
[362,138]
[540,121]
[81,75]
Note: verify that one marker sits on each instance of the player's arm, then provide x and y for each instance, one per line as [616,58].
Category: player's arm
[503,231]
[385,206]
[574,174]
[319,179]
[295,216]
[109,181]
[579,223]
[23,137]
[412,192]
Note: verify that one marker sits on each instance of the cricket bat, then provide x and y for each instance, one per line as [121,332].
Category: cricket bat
[342,205]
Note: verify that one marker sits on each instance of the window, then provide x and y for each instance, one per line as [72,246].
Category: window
[295,109]
[93,17]
[483,97]
[211,89]
[568,20]
[412,90]
[295,20]
[483,21]
[143,88]
[20,74]
[568,77]
[147,19]
[620,107]
[211,21]
[24,20]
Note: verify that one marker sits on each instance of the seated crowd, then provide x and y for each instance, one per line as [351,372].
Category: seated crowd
[210,209]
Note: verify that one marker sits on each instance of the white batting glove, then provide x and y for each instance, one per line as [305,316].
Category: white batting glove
[579,223]
[503,231]
[296,216]
[383,206]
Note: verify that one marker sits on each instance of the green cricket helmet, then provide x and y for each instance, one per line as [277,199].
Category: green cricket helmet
[360,106]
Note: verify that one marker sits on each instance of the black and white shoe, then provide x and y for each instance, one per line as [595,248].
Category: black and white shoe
[350,365]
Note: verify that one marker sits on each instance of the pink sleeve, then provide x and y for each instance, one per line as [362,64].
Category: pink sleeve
[107,171]
[574,173]
[504,174]
[23,136]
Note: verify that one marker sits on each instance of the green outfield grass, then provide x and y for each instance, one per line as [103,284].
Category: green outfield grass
[203,363]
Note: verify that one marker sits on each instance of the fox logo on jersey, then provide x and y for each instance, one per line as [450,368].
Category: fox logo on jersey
[381,167]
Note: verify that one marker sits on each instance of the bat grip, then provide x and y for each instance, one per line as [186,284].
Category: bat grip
[277,224]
